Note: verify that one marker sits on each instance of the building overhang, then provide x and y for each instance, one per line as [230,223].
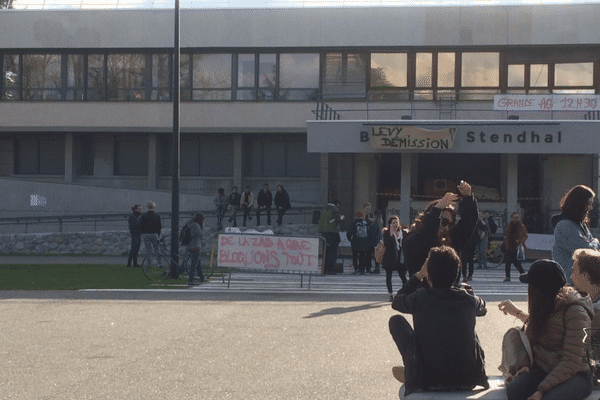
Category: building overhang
[454,136]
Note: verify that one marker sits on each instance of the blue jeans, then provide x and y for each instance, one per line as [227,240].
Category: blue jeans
[578,387]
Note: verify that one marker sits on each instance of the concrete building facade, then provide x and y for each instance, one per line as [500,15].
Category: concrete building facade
[86,102]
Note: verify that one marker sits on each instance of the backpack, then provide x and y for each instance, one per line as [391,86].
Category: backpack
[185,236]
[361,230]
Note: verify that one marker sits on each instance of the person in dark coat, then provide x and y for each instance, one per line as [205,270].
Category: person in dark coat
[151,227]
[264,200]
[467,255]
[135,229]
[282,203]
[360,242]
[443,351]
[436,226]
[234,204]
[392,239]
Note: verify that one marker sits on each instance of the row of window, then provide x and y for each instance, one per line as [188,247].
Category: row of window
[281,76]
[200,156]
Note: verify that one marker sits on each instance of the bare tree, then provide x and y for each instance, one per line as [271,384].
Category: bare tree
[6,4]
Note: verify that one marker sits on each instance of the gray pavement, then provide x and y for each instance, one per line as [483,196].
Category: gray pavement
[264,337]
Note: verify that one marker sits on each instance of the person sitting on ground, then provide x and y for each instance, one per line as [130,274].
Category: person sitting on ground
[556,328]
[443,351]
[586,279]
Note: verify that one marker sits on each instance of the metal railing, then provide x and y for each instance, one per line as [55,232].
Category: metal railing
[104,222]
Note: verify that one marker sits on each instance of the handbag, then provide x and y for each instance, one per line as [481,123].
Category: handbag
[379,252]
[516,353]
[521,253]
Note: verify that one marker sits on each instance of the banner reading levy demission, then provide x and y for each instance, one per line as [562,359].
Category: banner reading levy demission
[511,137]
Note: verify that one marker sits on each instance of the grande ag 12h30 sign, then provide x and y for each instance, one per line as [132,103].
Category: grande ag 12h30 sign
[546,102]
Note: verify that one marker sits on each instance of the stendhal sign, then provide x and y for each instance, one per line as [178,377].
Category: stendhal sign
[384,137]
[509,137]
[546,102]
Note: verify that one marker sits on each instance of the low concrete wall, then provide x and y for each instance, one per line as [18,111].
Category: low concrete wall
[114,242]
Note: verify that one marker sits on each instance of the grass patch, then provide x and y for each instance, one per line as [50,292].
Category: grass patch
[78,276]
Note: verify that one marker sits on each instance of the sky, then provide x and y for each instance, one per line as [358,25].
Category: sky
[99,4]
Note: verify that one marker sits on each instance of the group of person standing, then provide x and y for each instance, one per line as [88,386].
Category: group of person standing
[245,203]
[364,234]
[146,227]
[441,350]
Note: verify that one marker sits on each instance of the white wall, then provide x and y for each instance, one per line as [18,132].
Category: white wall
[353,26]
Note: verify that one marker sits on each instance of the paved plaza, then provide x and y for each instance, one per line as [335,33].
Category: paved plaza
[263,337]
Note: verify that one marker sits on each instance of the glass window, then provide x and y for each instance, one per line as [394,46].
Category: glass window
[298,76]
[446,69]
[574,74]
[83,147]
[75,73]
[538,75]
[276,156]
[211,77]
[267,76]
[246,68]
[185,78]
[126,76]
[480,69]
[131,156]
[300,163]
[200,155]
[216,157]
[440,170]
[160,77]
[516,75]
[95,90]
[389,69]
[345,76]
[10,70]
[424,62]
[189,156]
[40,154]
[246,77]
[41,76]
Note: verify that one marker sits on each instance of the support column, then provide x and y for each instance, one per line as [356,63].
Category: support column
[363,182]
[405,178]
[69,157]
[512,204]
[324,179]
[152,164]
[237,162]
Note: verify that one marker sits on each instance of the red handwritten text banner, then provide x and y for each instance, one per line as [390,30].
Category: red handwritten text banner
[546,102]
[292,254]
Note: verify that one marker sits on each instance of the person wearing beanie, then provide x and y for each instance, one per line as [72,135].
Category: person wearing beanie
[556,322]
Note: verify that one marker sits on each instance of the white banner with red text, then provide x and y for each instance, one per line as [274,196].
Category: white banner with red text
[546,102]
[272,253]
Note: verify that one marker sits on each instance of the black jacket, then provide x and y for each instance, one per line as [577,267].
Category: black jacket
[150,223]
[264,199]
[234,199]
[282,200]
[135,223]
[447,351]
[392,254]
[416,245]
